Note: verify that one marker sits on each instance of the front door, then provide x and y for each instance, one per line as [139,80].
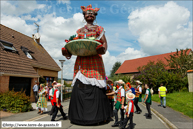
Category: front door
[20,83]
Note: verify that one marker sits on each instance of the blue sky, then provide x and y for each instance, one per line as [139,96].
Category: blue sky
[134,29]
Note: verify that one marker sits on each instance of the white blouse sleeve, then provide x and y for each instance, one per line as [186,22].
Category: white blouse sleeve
[130,105]
[50,92]
[57,94]
[147,92]
[122,93]
[140,89]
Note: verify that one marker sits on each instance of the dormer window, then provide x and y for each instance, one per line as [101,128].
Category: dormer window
[28,55]
[27,52]
[7,46]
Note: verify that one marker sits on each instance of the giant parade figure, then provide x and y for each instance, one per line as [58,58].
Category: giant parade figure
[89,103]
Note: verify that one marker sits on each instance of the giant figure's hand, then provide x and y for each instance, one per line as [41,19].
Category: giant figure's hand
[66,53]
[100,50]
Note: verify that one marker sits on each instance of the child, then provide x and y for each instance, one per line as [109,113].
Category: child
[127,90]
[147,101]
[129,111]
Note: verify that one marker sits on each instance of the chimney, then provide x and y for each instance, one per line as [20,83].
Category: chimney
[38,40]
[36,37]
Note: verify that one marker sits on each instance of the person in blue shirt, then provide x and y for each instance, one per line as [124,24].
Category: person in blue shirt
[130,88]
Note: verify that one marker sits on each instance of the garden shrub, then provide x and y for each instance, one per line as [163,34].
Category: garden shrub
[15,102]
[155,73]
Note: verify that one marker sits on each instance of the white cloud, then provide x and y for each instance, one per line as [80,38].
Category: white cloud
[129,53]
[108,61]
[17,24]
[59,28]
[63,1]
[18,8]
[54,31]
[29,17]
[161,29]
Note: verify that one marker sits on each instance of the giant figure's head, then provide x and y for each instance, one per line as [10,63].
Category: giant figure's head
[89,13]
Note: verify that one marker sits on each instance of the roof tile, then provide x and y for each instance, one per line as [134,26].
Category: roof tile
[130,66]
[19,63]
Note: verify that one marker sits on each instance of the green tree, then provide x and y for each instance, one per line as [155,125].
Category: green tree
[155,73]
[181,61]
[125,78]
[115,68]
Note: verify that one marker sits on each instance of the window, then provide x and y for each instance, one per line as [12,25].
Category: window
[27,52]
[28,55]
[7,46]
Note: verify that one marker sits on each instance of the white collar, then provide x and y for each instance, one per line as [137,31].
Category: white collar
[119,87]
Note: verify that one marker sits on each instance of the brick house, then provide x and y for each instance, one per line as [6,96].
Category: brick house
[129,67]
[23,61]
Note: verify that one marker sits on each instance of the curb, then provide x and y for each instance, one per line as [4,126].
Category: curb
[167,122]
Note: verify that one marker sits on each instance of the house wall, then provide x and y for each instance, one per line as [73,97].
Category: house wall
[4,83]
[130,74]
[4,86]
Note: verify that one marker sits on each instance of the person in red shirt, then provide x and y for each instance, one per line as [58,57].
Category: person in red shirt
[57,103]
[51,94]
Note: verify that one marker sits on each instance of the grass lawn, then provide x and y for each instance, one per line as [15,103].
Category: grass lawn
[181,101]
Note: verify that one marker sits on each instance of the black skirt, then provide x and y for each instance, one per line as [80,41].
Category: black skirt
[88,105]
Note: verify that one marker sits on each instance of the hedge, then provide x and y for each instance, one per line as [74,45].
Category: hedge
[15,102]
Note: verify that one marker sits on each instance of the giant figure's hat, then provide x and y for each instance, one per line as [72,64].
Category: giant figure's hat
[89,8]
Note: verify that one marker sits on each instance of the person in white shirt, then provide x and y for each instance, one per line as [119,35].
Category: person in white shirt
[57,103]
[129,110]
[35,89]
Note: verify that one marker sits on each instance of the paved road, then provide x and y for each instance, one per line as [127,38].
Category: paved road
[139,120]
[176,118]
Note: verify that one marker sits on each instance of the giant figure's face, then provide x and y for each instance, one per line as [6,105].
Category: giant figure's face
[90,16]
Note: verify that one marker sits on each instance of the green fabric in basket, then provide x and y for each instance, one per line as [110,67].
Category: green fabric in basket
[82,47]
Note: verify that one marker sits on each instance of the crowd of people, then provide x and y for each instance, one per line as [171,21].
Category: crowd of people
[121,96]
[126,98]
[48,93]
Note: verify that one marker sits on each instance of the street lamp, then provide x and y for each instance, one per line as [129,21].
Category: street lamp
[62,82]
